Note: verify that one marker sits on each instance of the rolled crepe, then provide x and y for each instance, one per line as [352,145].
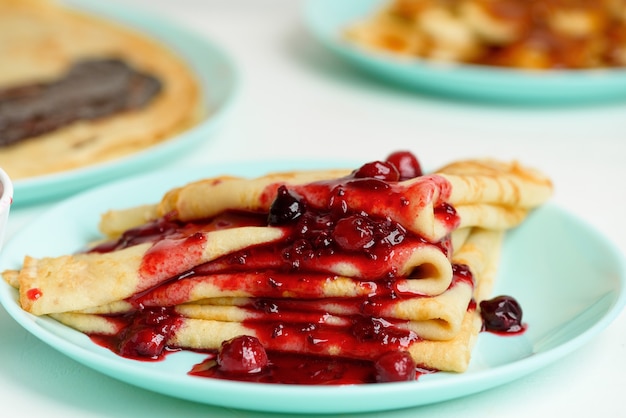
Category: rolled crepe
[484,192]
[206,325]
[80,281]
[482,251]
[411,203]
[83,281]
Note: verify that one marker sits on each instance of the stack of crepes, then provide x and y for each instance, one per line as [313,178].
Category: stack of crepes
[227,275]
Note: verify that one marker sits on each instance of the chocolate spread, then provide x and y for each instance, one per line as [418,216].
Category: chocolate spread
[91,89]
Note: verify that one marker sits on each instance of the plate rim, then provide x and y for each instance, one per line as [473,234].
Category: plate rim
[125,370]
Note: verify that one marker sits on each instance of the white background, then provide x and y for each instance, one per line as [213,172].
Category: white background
[296,100]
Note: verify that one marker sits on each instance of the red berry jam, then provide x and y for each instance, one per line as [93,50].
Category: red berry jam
[243,354]
[381,170]
[395,366]
[293,341]
[406,163]
[147,334]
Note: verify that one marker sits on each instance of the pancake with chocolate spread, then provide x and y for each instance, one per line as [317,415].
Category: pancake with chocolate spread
[76,89]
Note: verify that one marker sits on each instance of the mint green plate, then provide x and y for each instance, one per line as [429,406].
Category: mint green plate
[327,19]
[569,280]
[213,67]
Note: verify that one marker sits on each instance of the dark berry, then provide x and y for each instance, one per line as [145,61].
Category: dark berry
[406,163]
[287,207]
[144,342]
[381,170]
[354,233]
[243,354]
[501,314]
[148,334]
[395,366]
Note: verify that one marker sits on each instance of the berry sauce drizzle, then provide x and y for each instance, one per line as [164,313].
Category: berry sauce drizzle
[293,343]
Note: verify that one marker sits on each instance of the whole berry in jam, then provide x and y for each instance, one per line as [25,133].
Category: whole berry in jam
[395,366]
[287,207]
[407,164]
[148,334]
[380,170]
[144,342]
[242,355]
[353,233]
[502,314]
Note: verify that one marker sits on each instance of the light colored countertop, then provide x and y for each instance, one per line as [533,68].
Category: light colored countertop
[297,101]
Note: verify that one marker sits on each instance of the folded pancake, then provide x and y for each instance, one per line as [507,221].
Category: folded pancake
[482,251]
[206,325]
[488,181]
[73,282]
[209,197]
[484,192]
[81,281]
[40,42]
[434,318]
[240,294]
[307,263]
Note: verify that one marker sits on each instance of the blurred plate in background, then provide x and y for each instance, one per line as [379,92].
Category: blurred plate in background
[327,19]
[212,66]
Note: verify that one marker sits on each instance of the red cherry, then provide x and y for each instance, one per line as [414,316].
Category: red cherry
[501,314]
[395,366]
[243,354]
[380,170]
[353,233]
[144,342]
[406,163]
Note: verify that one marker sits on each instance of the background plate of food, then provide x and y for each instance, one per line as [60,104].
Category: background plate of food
[546,264]
[482,50]
[95,91]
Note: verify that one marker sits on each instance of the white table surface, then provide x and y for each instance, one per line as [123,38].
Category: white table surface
[299,101]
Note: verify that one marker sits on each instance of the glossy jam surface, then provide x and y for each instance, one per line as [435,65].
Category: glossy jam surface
[91,89]
[143,334]
[502,315]
[295,339]
[242,355]
[298,369]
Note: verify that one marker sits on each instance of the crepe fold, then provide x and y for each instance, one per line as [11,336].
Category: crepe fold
[225,276]
[447,328]
[485,193]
